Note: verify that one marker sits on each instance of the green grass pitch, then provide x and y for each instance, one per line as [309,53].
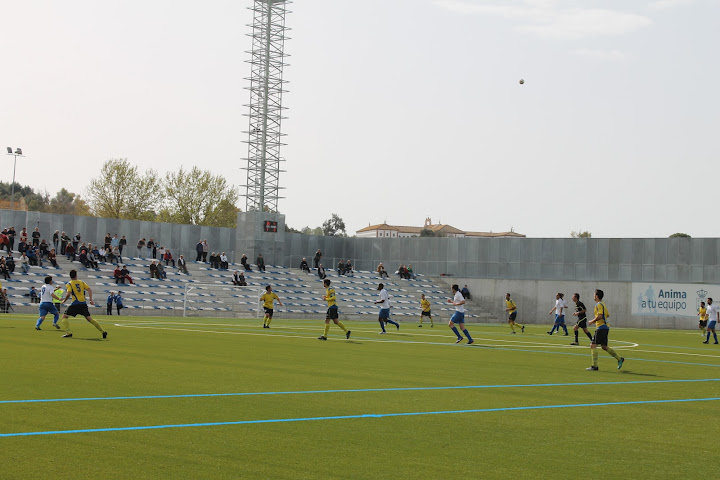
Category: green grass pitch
[235,400]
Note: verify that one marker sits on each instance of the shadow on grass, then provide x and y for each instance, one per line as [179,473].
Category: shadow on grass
[89,339]
[628,372]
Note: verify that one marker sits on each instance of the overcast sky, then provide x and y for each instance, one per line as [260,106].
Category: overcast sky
[398,109]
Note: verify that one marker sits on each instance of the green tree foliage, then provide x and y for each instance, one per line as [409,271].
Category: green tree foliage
[334,226]
[579,234]
[426,232]
[68,203]
[197,197]
[120,191]
[680,235]
[312,231]
[35,201]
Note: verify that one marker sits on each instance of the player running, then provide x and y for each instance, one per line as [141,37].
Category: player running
[384,314]
[713,313]
[47,297]
[425,304]
[601,333]
[459,316]
[267,298]
[580,312]
[81,295]
[332,311]
[702,313]
[559,309]
[512,308]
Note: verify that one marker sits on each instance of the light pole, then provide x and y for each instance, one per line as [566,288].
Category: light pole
[18,153]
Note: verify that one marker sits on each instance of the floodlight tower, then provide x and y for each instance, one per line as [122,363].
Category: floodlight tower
[266,89]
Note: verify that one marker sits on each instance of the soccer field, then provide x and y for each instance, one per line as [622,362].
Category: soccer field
[224,398]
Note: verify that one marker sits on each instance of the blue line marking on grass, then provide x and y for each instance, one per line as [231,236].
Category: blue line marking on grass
[359,390]
[349,417]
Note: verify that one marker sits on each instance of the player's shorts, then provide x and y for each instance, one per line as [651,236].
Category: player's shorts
[601,336]
[582,323]
[703,323]
[426,314]
[78,309]
[47,307]
[559,319]
[332,313]
[458,317]
[384,314]
[268,312]
[513,316]
[711,325]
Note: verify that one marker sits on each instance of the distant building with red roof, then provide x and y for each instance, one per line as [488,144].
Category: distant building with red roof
[384,230]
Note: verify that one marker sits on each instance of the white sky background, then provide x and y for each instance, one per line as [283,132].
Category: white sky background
[398,109]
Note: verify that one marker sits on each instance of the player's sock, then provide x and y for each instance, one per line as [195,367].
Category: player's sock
[576,336]
[512,327]
[421,320]
[65,324]
[96,324]
[613,353]
[39,322]
[715,336]
[340,324]
[382,325]
[327,328]
[394,323]
[55,320]
[594,356]
[268,322]
[431,322]
[564,328]
[553,329]
[589,336]
[467,334]
[454,329]
[707,339]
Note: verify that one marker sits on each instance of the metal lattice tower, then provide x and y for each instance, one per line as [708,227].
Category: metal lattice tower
[266,89]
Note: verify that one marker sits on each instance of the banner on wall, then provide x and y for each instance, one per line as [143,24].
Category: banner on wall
[671,299]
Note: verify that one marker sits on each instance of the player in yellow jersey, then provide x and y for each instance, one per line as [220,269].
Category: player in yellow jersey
[425,304]
[512,309]
[602,332]
[702,313]
[77,289]
[332,311]
[267,298]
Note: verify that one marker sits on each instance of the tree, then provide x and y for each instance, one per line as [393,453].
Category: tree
[198,197]
[35,201]
[289,229]
[121,192]
[68,203]
[579,234]
[312,231]
[426,232]
[680,235]
[334,226]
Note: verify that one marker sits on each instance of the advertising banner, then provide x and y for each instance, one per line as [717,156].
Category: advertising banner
[671,299]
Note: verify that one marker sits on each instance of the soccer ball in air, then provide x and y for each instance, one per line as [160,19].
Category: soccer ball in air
[522,81]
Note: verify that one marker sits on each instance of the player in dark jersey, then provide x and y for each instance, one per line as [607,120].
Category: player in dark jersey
[581,318]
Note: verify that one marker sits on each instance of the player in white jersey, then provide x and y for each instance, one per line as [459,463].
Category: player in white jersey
[459,316]
[46,303]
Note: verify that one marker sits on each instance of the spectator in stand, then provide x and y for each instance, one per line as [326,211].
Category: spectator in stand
[245,264]
[83,258]
[238,279]
[4,269]
[341,267]
[465,292]
[317,257]
[11,236]
[24,263]
[410,272]
[224,261]
[76,241]
[32,256]
[24,235]
[212,260]
[381,271]
[118,276]
[70,252]
[43,249]
[321,271]
[34,297]
[153,270]
[64,242]
[199,250]
[260,263]
[52,258]
[4,241]
[205,250]
[160,270]
[140,246]
[22,246]
[108,240]
[304,266]
[56,239]
[10,262]
[121,244]
[114,243]
[348,268]
[36,237]
[126,274]
[402,271]
[161,253]
[150,248]
[92,260]
[102,255]
[182,266]
[154,249]
[169,258]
